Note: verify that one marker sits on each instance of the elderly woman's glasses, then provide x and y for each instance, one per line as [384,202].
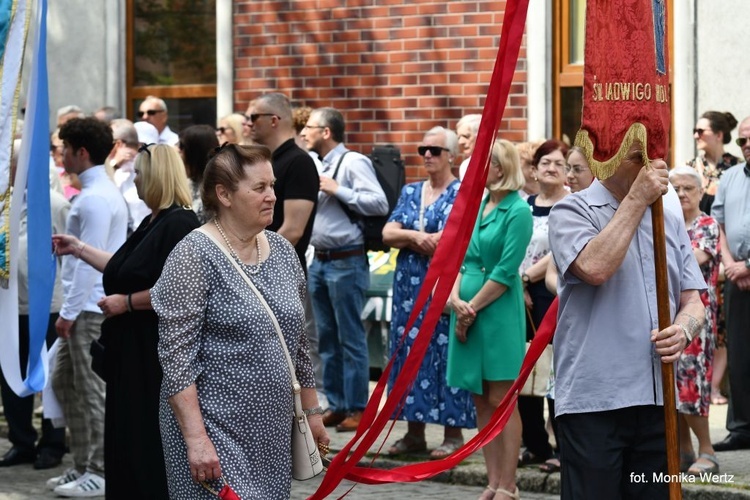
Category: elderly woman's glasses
[741,141]
[434,150]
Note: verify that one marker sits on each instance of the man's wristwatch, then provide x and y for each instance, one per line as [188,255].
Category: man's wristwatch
[688,336]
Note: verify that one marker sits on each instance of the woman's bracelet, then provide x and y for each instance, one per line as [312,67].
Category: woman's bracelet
[79,249]
[314,411]
[129,303]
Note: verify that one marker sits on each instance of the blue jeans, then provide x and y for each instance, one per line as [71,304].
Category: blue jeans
[337,289]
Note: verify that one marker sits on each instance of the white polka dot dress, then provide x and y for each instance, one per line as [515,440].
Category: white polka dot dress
[214,332]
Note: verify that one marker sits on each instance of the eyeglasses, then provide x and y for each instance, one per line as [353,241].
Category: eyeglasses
[144,149]
[314,126]
[221,130]
[254,116]
[699,131]
[576,169]
[150,112]
[434,150]
[741,141]
[551,164]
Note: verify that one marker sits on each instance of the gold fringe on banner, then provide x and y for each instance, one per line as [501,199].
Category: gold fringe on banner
[605,169]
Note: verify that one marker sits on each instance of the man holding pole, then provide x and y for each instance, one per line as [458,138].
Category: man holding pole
[608,387]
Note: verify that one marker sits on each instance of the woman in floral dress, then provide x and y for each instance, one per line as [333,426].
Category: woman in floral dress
[694,369]
[414,228]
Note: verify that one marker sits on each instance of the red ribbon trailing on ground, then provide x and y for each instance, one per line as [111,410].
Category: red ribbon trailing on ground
[440,276]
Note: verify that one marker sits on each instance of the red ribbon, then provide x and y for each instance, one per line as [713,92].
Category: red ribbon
[440,277]
[227,493]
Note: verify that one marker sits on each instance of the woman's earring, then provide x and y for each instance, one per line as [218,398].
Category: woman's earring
[535,178]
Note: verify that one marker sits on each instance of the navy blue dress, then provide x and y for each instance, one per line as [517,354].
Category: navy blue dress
[430,400]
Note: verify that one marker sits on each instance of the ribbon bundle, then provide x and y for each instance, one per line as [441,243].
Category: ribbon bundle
[439,280]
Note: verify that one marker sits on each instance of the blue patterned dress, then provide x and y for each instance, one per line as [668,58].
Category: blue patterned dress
[430,400]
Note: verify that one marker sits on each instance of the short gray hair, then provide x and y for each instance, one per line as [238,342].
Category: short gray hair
[687,171]
[472,121]
[123,130]
[279,104]
[451,139]
[71,108]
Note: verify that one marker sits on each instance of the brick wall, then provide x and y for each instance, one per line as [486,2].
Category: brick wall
[394,68]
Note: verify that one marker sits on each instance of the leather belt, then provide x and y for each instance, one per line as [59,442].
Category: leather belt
[325,255]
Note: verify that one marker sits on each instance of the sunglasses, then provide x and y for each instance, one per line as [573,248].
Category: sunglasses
[434,150]
[150,112]
[741,141]
[221,130]
[254,116]
[699,131]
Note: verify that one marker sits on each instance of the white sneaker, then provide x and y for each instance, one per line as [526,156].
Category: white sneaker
[68,476]
[88,485]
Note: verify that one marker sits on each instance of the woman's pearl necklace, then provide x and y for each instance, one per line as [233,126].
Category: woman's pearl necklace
[234,254]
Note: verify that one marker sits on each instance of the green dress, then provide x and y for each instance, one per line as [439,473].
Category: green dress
[496,341]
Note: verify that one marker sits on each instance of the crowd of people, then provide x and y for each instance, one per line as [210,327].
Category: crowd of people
[171,377]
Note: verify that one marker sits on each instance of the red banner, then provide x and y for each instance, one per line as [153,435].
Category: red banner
[625,82]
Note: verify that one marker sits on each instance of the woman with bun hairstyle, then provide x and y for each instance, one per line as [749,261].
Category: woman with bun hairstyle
[712,131]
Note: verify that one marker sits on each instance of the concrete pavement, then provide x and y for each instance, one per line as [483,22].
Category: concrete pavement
[464,481]
[732,483]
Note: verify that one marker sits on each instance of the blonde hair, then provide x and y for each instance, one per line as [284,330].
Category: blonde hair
[505,156]
[527,149]
[235,121]
[163,179]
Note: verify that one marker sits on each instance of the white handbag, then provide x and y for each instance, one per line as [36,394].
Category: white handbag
[306,462]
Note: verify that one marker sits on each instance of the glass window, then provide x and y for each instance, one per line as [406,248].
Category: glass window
[577,34]
[174,42]
[171,54]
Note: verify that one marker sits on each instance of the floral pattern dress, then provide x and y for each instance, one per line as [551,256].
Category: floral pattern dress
[430,399]
[695,366]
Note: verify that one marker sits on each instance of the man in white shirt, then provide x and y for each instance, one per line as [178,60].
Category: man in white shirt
[99,218]
[154,111]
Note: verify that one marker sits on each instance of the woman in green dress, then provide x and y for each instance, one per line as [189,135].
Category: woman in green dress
[488,322]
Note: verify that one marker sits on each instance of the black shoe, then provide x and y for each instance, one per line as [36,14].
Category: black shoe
[16,456]
[732,442]
[47,460]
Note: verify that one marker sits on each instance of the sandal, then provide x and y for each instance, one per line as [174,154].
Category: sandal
[449,446]
[686,460]
[550,466]
[490,489]
[515,495]
[408,444]
[699,468]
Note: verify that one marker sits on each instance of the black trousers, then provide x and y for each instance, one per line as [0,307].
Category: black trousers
[737,314]
[19,411]
[613,454]
[531,408]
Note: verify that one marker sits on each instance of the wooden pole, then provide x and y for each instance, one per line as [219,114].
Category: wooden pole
[667,369]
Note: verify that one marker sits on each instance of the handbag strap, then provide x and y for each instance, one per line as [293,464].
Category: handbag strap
[295,384]
[531,320]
